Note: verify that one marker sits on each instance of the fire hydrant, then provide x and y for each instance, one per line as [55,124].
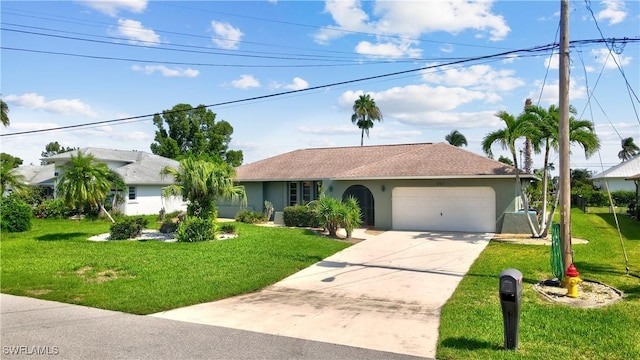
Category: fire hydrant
[572,280]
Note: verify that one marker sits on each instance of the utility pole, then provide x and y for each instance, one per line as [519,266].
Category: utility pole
[565,166]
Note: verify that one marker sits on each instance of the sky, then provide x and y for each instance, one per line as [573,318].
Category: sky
[285,74]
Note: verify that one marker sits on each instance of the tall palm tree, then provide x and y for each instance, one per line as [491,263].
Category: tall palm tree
[11,179]
[201,183]
[4,113]
[528,159]
[365,111]
[516,128]
[456,138]
[629,149]
[84,180]
[581,132]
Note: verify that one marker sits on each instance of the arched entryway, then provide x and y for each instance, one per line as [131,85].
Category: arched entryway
[365,199]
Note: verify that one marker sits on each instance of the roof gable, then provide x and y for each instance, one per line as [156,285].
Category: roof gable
[625,169]
[425,160]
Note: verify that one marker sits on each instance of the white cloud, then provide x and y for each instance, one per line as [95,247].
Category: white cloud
[246,82]
[347,14]
[413,18]
[165,71]
[475,77]
[111,7]
[609,59]
[449,120]
[297,84]
[328,130]
[551,90]
[403,135]
[552,62]
[226,36]
[59,106]
[137,33]
[614,11]
[394,49]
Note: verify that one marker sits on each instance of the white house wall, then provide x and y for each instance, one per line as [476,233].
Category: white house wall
[615,184]
[148,201]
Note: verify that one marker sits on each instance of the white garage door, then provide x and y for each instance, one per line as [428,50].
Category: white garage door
[469,209]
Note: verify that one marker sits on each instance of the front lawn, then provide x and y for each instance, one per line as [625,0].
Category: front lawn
[55,261]
[471,323]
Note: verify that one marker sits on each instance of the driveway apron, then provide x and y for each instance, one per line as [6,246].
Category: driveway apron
[384,293]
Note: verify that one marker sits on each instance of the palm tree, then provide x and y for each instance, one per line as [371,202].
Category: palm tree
[548,123]
[201,183]
[515,129]
[365,112]
[629,149]
[456,138]
[84,181]
[4,113]
[10,179]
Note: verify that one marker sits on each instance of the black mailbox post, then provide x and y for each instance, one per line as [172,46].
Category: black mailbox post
[510,298]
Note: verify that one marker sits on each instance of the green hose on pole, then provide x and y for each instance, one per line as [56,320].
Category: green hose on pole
[556,253]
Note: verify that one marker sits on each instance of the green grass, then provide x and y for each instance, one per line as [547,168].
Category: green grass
[471,323]
[55,261]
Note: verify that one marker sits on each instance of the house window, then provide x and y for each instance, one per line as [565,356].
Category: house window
[132,192]
[306,192]
[293,194]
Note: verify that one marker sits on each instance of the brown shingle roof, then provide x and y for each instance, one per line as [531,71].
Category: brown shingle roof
[371,162]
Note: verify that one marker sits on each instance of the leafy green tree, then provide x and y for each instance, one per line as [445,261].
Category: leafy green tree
[505,160]
[365,111]
[4,113]
[629,149]
[456,138]
[547,121]
[516,128]
[84,180]
[53,148]
[9,179]
[185,131]
[9,160]
[201,183]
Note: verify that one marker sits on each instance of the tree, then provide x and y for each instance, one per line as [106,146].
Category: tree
[515,129]
[365,111]
[4,113]
[505,160]
[456,138]
[9,160]
[9,179]
[629,149]
[53,148]
[201,183]
[185,131]
[547,121]
[528,159]
[84,180]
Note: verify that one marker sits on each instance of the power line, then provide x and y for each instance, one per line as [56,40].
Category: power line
[530,50]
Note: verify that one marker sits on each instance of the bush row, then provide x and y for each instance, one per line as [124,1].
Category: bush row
[300,216]
[251,217]
[128,228]
[594,197]
[15,213]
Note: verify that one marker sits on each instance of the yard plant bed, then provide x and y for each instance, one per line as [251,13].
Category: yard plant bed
[471,322]
[55,261]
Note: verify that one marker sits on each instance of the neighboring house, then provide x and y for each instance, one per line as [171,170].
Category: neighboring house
[141,173]
[436,187]
[616,176]
[635,179]
[39,176]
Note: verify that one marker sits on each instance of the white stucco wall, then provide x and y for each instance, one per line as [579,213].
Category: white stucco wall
[148,201]
[615,184]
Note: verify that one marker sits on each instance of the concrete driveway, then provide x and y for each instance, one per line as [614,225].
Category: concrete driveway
[384,293]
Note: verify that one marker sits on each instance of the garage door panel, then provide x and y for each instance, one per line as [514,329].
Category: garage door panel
[444,208]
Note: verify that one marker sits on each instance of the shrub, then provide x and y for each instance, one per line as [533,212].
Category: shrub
[53,209]
[128,228]
[194,229]
[251,217]
[299,216]
[228,228]
[268,209]
[15,214]
[623,198]
[331,213]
